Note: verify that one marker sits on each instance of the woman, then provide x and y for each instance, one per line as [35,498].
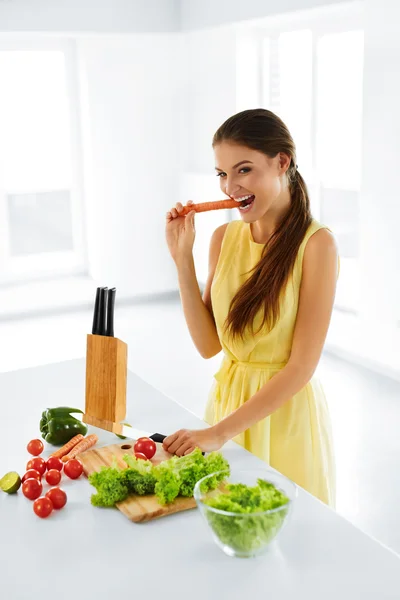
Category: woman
[267,304]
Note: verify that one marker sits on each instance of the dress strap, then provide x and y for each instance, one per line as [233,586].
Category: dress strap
[228,247]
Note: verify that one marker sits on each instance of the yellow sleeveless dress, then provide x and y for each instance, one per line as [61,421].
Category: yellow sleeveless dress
[296,440]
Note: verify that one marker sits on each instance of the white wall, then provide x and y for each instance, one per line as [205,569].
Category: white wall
[89,15]
[209,98]
[380,205]
[210,72]
[131,110]
[197,14]
[138,15]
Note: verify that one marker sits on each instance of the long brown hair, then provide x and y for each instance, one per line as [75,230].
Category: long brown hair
[264,131]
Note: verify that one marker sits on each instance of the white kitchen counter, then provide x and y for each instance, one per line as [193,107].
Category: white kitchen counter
[88,553]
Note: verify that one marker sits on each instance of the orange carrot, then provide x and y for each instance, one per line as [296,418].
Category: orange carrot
[68,446]
[206,206]
[82,446]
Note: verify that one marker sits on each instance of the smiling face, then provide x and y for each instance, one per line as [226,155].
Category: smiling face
[252,178]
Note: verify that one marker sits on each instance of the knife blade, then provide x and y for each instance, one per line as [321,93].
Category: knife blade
[131,432]
[135,434]
[110,312]
[96,312]
[101,323]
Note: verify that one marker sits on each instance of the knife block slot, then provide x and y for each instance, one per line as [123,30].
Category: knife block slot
[106,377]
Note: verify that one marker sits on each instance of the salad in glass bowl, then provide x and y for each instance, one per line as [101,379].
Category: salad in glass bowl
[247,510]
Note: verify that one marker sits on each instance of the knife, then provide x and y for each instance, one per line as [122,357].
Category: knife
[110,312]
[134,434]
[96,312]
[101,321]
[131,432]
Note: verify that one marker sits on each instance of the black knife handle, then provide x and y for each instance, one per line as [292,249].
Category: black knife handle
[110,312]
[159,438]
[96,312]
[101,322]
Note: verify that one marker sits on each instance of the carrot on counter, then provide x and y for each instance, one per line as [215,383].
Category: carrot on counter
[206,206]
[68,446]
[82,446]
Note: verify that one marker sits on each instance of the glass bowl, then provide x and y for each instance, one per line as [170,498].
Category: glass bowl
[245,534]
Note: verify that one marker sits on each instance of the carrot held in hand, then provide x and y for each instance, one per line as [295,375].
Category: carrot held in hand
[68,446]
[206,206]
[82,446]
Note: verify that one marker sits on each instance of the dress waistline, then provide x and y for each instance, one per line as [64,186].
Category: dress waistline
[230,363]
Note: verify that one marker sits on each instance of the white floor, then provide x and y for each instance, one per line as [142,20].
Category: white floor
[365,407]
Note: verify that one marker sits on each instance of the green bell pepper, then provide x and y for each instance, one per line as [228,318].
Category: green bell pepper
[57,426]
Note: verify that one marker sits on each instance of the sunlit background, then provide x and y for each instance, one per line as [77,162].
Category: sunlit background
[107,111]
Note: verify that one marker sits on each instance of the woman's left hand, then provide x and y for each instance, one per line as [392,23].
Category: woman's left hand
[185,441]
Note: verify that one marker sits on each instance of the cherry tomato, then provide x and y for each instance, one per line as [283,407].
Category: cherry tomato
[43,507]
[32,474]
[39,464]
[73,468]
[53,477]
[58,497]
[35,447]
[54,463]
[145,446]
[32,488]
[141,456]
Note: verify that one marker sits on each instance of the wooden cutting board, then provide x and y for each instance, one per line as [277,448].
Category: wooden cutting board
[136,508]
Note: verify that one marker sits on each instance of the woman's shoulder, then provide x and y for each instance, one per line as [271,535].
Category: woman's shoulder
[224,231]
[221,233]
[318,234]
[318,240]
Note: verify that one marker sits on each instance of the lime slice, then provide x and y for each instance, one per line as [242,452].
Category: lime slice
[123,437]
[10,483]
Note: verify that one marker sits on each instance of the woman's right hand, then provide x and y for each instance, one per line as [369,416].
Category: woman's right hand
[180,232]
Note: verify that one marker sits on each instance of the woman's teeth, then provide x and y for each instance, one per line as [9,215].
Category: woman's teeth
[246,206]
[243,198]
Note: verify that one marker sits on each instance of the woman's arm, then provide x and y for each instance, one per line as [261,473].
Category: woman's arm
[198,310]
[317,294]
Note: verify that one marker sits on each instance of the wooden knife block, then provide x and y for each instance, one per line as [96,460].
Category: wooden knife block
[106,375]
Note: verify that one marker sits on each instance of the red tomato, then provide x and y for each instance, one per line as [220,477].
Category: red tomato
[58,497]
[43,507]
[73,468]
[145,446]
[32,488]
[32,474]
[54,463]
[141,456]
[38,464]
[35,447]
[53,477]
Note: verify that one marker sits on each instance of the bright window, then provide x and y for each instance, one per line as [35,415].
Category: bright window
[339,109]
[39,187]
[295,94]
[313,81]
[339,150]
